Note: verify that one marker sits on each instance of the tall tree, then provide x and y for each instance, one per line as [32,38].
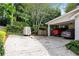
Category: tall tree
[40,14]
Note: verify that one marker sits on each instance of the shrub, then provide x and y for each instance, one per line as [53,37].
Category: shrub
[73,46]
[17,28]
[4,21]
[3,35]
[2,41]
[14,29]
[3,29]
[1,48]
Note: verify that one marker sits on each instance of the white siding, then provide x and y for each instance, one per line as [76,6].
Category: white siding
[77,28]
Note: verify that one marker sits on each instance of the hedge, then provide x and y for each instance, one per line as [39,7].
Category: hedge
[2,42]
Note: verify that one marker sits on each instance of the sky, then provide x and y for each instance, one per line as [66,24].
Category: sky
[61,6]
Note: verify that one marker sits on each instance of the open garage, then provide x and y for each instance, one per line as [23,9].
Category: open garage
[70,19]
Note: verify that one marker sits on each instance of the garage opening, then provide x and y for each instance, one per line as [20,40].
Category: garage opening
[64,29]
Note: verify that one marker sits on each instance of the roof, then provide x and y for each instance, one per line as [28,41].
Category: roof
[73,17]
[66,17]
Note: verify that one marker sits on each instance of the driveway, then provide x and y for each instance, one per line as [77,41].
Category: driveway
[36,46]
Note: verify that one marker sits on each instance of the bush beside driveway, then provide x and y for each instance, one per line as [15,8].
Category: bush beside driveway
[73,46]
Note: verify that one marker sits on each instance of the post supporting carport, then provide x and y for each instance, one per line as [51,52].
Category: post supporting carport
[48,30]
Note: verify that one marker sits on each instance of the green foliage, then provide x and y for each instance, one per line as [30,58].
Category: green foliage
[4,21]
[8,11]
[13,29]
[70,7]
[2,52]
[3,29]
[73,46]
[21,14]
[40,14]
[3,35]
[32,15]
[17,28]
[1,9]
[2,41]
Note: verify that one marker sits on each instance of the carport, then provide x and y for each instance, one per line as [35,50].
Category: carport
[70,17]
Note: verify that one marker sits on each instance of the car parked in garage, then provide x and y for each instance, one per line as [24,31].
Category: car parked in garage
[68,34]
[57,31]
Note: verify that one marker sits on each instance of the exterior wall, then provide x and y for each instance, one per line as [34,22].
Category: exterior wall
[77,28]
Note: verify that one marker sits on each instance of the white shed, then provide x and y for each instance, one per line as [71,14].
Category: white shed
[70,17]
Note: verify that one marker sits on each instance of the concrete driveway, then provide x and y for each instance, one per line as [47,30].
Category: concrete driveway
[36,46]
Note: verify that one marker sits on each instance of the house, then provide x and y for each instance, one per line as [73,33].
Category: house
[67,18]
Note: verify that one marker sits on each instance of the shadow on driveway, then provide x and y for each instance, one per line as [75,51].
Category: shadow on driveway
[55,45]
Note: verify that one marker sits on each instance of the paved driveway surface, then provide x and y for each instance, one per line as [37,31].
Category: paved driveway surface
[36,46]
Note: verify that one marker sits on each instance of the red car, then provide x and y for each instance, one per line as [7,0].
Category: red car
[56,32]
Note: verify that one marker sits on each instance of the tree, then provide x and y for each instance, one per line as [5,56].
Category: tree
[40,14]
[36,15]
[8,11]
[20,13]
[70,7]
